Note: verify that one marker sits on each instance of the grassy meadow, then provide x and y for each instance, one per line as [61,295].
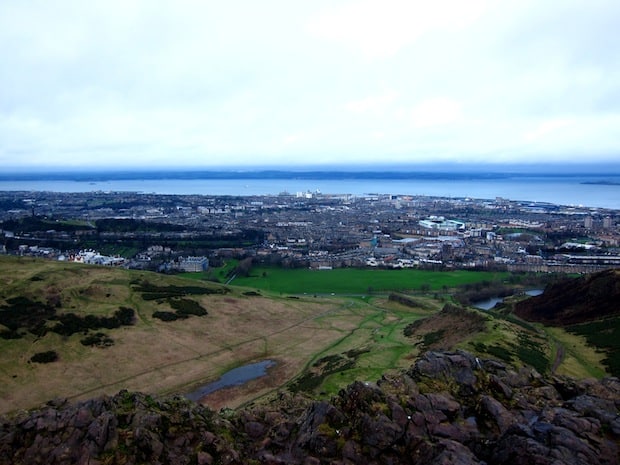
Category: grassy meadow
[324,329]
[359,281]
[173,356]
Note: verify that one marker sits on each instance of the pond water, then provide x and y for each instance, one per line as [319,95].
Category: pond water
[234,377]
[533,292]
[488,304]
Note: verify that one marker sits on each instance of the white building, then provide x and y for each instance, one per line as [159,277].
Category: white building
[442,224]
[193,264]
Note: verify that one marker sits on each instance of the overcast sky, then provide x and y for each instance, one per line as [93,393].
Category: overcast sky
[278,82]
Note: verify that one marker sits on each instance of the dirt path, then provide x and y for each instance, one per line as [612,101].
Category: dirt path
[559,358]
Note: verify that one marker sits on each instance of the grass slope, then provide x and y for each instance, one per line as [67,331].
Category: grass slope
[151,355]
[172,357]
[320,343]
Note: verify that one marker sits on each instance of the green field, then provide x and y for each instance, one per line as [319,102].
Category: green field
[359,281]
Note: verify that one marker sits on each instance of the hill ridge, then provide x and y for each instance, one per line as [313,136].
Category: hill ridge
[574,301]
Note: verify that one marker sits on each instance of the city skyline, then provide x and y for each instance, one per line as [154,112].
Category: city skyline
[208,85]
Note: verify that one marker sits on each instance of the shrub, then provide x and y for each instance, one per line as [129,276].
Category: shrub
[97,340]
[167,316]
[70,323]
[187,307]
[8,334]
[44,357]
[126,316]
[432,337]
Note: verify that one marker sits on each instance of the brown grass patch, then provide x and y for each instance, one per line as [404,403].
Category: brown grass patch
[171,357]
[447,328]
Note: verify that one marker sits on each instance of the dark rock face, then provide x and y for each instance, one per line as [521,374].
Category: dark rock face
[449,408]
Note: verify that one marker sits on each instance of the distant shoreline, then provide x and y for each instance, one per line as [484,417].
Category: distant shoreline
[98,176]
[553,188]
[602,183]
[88,176]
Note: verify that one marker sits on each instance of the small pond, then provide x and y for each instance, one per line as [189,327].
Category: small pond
[234,377]
[488,304]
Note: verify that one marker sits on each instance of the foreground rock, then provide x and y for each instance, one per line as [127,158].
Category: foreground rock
[449,408]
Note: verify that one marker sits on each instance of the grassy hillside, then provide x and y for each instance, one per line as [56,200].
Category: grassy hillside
[575,301]
[158,356]
[585,306]
[183,333]
[151,355]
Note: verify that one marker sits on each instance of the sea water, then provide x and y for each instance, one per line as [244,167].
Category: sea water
[560,190]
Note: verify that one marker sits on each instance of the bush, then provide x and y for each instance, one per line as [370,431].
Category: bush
[167,316]
[10,335]
[432,337]
[97,340]
[44,357]
[70,323]
[187,307]
[126,316]
[153,292]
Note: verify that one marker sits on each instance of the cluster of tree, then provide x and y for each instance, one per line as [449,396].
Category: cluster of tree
[70,323]
[44,357]
[30,224]
[126,225]
[125,233]
[183,309]
[472,294]
[154,292]
[243,268]
[22,312]
[97,340]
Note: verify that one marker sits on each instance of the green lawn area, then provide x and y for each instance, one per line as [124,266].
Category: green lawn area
[358,281]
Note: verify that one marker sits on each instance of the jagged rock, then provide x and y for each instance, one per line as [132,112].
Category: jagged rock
[204,458]
[603,409]
[500,387]
[449,408]
[454,453]
[254,429]
[496,417]
[102,431]
[519,447]
[379,431]
[444,403]
[449,366]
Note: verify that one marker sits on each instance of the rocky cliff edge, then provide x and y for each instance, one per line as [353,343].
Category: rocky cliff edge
[448,408]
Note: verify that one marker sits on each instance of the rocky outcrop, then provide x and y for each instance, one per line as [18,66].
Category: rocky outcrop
[448,408]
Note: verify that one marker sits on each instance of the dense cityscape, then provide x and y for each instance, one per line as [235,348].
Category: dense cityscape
[170,233]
